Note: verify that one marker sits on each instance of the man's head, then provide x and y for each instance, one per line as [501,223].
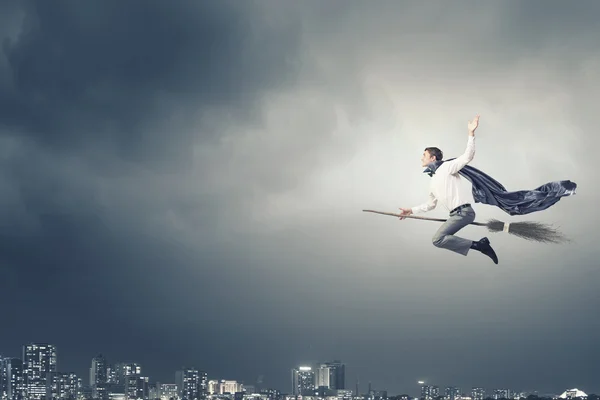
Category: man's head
[430,155]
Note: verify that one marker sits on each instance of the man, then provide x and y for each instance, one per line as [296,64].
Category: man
[446,188]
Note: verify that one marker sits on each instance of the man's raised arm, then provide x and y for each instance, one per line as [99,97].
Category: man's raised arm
[456,165]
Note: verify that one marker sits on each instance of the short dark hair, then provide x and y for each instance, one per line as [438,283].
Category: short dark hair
[437,153]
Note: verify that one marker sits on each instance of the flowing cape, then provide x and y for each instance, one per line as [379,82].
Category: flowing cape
[487,190]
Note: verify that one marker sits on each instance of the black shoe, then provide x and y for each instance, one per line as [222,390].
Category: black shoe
[483,245]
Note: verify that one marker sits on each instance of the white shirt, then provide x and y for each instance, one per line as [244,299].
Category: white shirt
[446,186]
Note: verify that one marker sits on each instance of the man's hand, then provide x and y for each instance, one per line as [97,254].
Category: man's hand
[405,212]
[472,125]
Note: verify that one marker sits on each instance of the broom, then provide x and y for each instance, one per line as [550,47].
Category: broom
[533,231]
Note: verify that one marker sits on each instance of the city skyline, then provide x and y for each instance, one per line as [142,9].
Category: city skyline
[183,184]
[307,379]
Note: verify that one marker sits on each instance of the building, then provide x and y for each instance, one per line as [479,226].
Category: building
[331,375]
[429,392]
[66,386]
[136,387]
[202,384]
[303,381]
[39,364]
[452,393]
[167,391]
[12,379]
[188,383]
[572,393]
[125,370]
[99,377]
[230,387]
[477,393]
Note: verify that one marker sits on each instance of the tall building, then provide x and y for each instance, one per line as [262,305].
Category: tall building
[332,375]
[117,379]
[112,373]
[167,391]
[65,386]
[12,380]
[429,392]
[39,364]
[3,379]
[188,383]
[124,370]
[136,387]
[99,377]
[322,377]
[202,385]
[452,393]
[501,394]
[303,381]
[477,393]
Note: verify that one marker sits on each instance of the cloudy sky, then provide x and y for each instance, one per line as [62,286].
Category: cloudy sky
[182,184]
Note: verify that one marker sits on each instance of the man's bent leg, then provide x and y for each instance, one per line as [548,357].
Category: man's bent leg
[444,238]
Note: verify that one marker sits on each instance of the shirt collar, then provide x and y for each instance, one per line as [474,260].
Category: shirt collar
[432,167]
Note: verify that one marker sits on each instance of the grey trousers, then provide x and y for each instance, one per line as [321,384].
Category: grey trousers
[444,238]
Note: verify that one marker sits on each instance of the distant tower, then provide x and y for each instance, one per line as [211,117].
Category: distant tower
[98,377]
[39,366]
[188,383]
[13,387]
[303,381]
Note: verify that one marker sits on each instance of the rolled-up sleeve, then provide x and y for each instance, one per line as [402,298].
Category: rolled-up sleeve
[428,206]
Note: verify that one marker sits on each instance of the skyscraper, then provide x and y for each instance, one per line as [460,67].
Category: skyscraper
[478,393]
[202,385]
[117,374]
[501,394]
[166,391]
[303,381]
[99,377]
[39,364]
[188,383]
[322,376]
[112,373]
[65,386]
[136,387]
[332,375]
[3,379]
[12,381]
[429,392]
[452,393]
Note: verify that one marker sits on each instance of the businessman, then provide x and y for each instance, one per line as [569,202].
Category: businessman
[447,189]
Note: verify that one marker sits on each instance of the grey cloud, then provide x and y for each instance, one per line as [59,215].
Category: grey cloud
[132,77]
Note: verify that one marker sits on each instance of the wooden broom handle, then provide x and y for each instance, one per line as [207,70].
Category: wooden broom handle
[418,217]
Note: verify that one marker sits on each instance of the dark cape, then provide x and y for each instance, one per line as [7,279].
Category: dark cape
[487,190]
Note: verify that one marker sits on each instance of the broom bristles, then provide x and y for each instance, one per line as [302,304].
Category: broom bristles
[530,230]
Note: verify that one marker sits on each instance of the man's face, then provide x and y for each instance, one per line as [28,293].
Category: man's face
[427,158]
